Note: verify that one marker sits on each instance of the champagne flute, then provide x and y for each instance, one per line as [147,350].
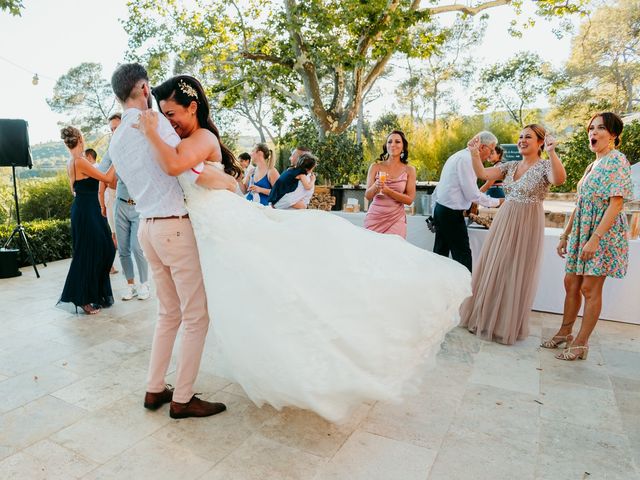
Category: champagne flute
[382,177]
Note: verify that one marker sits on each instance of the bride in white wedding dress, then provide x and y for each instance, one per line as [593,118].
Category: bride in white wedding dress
[335,314]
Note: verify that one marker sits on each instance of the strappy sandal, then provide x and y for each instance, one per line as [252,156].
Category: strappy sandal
[557,340]
[568,354]
[90,309]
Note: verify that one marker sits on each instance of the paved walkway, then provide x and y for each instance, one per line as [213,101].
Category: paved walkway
[71,390]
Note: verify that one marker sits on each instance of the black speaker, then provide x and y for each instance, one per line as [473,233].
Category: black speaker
[14,144]
[9,263]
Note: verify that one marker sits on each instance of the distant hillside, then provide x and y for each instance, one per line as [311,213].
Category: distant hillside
[49,155]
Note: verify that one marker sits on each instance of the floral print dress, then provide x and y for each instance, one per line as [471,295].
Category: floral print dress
[610,177]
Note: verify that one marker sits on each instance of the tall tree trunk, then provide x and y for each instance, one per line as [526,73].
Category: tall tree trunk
[360,129]
[434,102]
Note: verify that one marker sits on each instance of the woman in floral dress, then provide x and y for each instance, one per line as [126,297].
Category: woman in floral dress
[597,246]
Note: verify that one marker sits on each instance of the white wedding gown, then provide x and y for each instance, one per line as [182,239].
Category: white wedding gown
[308,310]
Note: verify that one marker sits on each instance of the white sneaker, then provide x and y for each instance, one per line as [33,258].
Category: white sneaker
[143,291]
[130,292]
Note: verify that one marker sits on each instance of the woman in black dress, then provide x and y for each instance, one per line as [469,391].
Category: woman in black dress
[87,285]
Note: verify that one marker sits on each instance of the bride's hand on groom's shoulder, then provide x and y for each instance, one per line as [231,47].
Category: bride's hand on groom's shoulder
[147,121]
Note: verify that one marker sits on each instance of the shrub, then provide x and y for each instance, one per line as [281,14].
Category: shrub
[431,145]
[46,198]
[340,158]
[49,240]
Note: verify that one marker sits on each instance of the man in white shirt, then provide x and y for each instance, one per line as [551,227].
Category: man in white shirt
[168,241]
[456,190]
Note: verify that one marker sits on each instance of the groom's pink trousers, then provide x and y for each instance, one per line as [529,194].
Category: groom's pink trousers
[170,247]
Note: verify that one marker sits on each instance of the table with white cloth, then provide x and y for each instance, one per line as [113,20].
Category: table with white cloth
[620,297]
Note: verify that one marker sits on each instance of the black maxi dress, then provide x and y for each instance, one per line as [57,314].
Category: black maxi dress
[93,251]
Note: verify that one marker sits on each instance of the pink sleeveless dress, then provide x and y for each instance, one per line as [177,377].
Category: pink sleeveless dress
[386,215]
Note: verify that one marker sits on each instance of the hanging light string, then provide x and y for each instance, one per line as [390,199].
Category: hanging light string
[36,77]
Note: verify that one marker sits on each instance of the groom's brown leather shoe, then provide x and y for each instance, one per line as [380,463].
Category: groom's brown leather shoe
[154,401]
[195,408]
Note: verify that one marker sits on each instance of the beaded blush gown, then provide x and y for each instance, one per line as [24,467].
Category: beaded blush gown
[505,278]
[308,310]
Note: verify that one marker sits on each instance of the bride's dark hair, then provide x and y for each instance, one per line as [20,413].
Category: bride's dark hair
[184,89]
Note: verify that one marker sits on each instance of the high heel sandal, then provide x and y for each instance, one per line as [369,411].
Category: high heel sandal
[557,340]
[567,353]
[90,309]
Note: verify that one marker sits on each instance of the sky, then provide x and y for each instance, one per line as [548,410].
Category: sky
[50,40]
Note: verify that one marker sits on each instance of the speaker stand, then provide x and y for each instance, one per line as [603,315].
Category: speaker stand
[19,229]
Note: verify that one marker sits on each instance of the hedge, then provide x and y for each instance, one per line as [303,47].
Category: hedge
[49,240]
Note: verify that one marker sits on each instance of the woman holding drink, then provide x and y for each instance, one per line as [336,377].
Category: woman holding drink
[391,184]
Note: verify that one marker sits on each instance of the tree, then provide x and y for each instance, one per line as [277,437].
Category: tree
[443,60]
[14,7]
[85,97]
[322,56]
[514,85]
[603,70]
[340,156]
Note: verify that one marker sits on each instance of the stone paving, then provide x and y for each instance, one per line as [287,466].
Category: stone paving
[71,389]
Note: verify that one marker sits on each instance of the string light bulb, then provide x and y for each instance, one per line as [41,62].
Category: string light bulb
[35,79]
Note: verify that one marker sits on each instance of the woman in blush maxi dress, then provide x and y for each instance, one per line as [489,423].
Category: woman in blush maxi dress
[505,279]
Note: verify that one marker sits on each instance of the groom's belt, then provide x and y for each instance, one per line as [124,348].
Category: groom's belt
[129,201]
[186,215]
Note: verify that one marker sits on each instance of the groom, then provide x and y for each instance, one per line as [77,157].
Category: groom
[169,244]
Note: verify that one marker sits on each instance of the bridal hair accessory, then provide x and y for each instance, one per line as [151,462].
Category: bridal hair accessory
[187,89]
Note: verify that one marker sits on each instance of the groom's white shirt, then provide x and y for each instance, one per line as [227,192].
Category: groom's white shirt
[157,194]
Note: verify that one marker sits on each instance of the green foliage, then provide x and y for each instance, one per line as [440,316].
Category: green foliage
[45,199]
[603,70]
[340,157]
[14,7]
[320,56]
[514,84]
[50,240]
[576,156]
[445,59]
[85,96]
[6,199]
[430,145]
[630,142]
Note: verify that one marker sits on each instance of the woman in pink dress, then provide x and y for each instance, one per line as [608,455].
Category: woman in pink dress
[391,184]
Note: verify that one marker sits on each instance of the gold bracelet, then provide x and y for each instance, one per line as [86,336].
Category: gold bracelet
[564,236]
[597,235]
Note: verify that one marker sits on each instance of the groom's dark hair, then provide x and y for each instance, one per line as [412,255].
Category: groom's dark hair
[125,79]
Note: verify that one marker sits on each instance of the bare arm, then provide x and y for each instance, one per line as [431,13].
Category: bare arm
[487,185]
[216,179]
[200,146]
[306,182]
[558,174]
[469,187]
[491,173]
[101,190]
[83,166]
[564,236]
[373,186]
